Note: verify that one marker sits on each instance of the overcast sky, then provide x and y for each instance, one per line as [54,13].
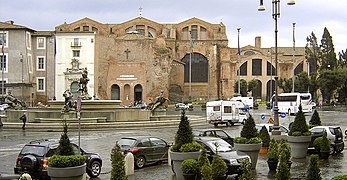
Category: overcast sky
[309,16]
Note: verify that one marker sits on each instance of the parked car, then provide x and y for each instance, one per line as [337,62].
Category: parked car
[220,133]
[180,106]
[284,130]
[334,134]
[146,149]
[345,133]
[33,159]
[217,146]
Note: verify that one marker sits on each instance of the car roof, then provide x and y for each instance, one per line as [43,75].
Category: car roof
[138,137]
[204,130]
[326,127]
[207,138]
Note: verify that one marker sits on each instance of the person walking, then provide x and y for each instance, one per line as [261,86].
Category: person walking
[24,120]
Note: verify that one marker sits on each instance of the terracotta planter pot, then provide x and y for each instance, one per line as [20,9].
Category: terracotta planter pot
[189,176]
[299,145]
[71,173]
[177,158]
[251,150]
[324,154]
[263,150]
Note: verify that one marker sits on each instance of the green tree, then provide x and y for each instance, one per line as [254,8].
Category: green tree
[313,56]
[315,119]
[328,82]
[283,171]
[329,60]
[313,172]
[249,130]
[342,62]
[184,133]
[302,82]
[118,169]
[285,84]
[243,87]
[252,84]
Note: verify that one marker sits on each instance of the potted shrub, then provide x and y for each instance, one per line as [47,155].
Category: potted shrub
[249,142]
[246,171]
[283,171]
[313,172]
[184,147]
[219,168]
[299,136]
[273,155]
[265,137]
[190,168]
[206,172]
[202,161]
[118,169]
[324,147]
[315,119]
[284,147]
[65,164]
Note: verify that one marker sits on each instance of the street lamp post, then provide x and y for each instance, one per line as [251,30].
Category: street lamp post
[238,62]
[275,16]
[293,78]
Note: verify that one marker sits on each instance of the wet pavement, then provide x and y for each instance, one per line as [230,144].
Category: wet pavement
[102,141]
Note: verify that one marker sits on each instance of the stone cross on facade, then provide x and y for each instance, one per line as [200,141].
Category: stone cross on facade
[127,53]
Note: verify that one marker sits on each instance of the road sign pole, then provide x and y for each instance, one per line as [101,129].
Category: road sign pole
[79,102]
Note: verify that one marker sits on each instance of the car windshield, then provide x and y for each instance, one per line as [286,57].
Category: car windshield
[126,142]
[197,133]
[220,145]
[34,150]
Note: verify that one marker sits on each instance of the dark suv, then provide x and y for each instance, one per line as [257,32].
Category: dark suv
[33,159]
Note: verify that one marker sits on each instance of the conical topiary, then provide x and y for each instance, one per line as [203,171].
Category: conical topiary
[219,167]
[65,147]
[285,149]
[299,127]
[315,119]
[246,171]
[283,171]
[206,172]
[203,160]
[265,136]
[249,130]
[273,152]
[118,169]
[184,133]
[313,172]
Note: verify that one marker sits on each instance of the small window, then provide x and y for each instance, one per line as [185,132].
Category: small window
[40,63]
[77,29]
[40,84]
[30,63]
[216,108]
[3,62]
[227,109]
[76,42]
[185,33]
[203,33]
[85,28]
[3,91]
[94,29]
[41,42]
[194,32]
[3,38]
[28,40]
[76,53]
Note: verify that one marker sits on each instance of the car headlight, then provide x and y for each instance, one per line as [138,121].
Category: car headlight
[233,161]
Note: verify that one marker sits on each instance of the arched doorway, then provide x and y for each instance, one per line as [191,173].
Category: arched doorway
[115,92]
[138,93]
[256,92]
[74,89]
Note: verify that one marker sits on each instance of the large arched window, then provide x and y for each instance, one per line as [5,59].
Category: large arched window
[299,68]
[115,92]
[270,69]
[243,69]
[256,92]
[199,68]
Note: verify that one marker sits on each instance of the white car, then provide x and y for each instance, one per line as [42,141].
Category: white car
[284,130]
[180,106]
[334,134]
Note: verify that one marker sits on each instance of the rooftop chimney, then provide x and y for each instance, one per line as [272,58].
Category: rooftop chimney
[258,42]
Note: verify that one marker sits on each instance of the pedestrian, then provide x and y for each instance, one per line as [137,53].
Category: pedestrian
[24,120]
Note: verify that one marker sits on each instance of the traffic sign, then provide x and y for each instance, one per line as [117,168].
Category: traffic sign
[262,116]
[79,102]
[283,115]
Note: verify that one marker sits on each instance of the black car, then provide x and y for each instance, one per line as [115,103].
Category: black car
[33,159]
[217,146]
[220,133]
[146,149]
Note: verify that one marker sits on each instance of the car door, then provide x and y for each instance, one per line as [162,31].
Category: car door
[160,148]
[225,137]
[145,149]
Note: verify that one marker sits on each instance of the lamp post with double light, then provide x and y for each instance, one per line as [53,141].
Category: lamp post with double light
[275,16]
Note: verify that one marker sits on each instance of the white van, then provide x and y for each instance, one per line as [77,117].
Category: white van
[223,112]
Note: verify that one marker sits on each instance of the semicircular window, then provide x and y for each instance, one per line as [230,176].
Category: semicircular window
[199,68]
[248,53]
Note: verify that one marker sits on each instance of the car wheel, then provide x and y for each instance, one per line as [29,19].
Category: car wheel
[94,169]
[332,149]
[231,123]
[29,163]
[215,124]
[140,162]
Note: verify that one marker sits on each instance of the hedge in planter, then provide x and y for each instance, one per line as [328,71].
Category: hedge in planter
[246,171]
[273,155]
[265,137]
[313,172]
[184,133]
[219,167]
[299,127]
[190,168]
